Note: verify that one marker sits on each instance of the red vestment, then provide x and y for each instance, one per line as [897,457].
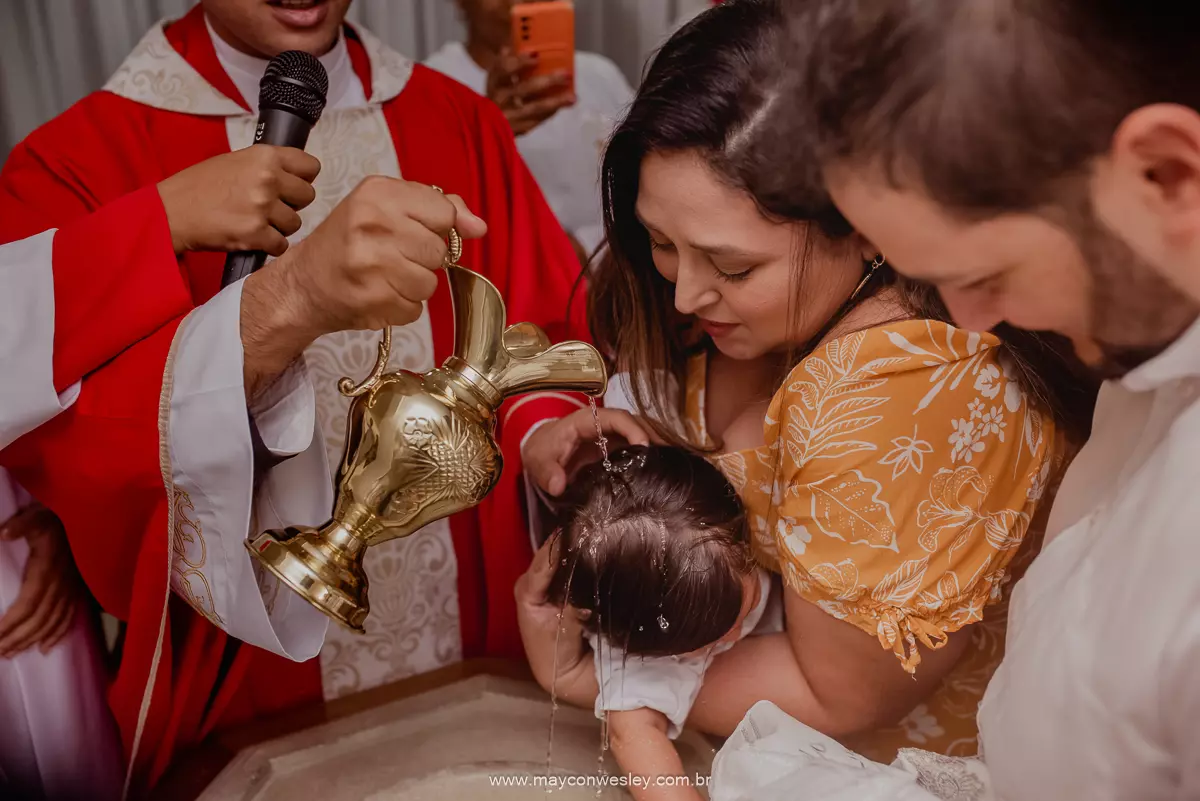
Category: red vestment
[98,464]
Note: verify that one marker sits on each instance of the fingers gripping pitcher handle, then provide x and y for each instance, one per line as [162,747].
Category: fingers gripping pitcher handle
[347,386]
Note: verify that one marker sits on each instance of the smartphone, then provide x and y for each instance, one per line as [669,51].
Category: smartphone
[546,30]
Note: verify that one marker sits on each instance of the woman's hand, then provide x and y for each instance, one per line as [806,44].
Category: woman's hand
[244,200]
[558,449]
[44,608]
[553,636]
[533,605]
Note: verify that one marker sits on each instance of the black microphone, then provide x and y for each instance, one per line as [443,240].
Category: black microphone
[291,97]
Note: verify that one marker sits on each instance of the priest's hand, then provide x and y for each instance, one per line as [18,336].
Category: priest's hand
[45,605]
[244,200]
[371,264]
[527,101]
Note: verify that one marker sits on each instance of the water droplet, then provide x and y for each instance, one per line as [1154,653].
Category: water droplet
[662,623]
[600,438]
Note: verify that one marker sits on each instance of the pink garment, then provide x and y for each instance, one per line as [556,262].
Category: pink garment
[57,737]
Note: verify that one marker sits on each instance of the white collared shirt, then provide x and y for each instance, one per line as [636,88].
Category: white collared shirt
[1098,696]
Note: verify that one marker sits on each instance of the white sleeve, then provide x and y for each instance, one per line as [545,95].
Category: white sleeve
[773,757]
[211,466]
[27,395]
[535,499]
[666,684]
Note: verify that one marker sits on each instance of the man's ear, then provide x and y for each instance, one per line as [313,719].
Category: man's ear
[1147,188]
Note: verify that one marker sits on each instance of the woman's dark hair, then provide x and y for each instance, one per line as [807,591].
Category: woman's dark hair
[707,91]
[655,550]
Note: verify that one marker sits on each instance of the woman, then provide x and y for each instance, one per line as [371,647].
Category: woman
[58,740]
[891,464]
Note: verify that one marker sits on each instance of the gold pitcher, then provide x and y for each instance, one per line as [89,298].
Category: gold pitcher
[422,447]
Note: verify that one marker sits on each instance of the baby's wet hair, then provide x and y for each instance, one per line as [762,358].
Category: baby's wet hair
[655,549]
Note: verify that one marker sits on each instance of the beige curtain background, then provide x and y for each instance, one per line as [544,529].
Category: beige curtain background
[53,52]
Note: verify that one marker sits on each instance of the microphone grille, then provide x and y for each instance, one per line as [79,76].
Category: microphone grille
[297,82]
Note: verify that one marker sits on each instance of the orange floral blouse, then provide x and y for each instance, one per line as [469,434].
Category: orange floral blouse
[903,468]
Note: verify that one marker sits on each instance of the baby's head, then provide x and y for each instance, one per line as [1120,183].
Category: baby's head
[656,552]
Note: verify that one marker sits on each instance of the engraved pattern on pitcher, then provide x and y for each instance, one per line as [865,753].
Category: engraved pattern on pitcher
[454,462]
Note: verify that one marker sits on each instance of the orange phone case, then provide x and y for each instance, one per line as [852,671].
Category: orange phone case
[547,30]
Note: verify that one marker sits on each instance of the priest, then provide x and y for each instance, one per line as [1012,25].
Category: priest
[150,470]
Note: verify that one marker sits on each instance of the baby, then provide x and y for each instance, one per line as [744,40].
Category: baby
[652,567]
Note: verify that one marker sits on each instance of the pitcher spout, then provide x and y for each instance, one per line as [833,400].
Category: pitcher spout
[479,319]
[518,359]
[567,367]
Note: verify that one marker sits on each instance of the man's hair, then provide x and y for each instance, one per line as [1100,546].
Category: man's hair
[988,105]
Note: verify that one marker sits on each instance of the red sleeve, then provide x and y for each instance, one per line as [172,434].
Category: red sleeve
[119,297]
[116,278]
[97,466]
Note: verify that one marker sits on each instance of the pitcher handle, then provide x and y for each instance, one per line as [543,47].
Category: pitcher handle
[347,386]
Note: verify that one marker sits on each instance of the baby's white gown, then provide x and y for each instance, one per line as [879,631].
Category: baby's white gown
[774,757]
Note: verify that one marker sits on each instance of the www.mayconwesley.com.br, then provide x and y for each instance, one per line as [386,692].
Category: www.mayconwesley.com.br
[555,781]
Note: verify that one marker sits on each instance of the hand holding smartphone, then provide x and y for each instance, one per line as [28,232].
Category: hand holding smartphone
[545,32]
[535,77]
